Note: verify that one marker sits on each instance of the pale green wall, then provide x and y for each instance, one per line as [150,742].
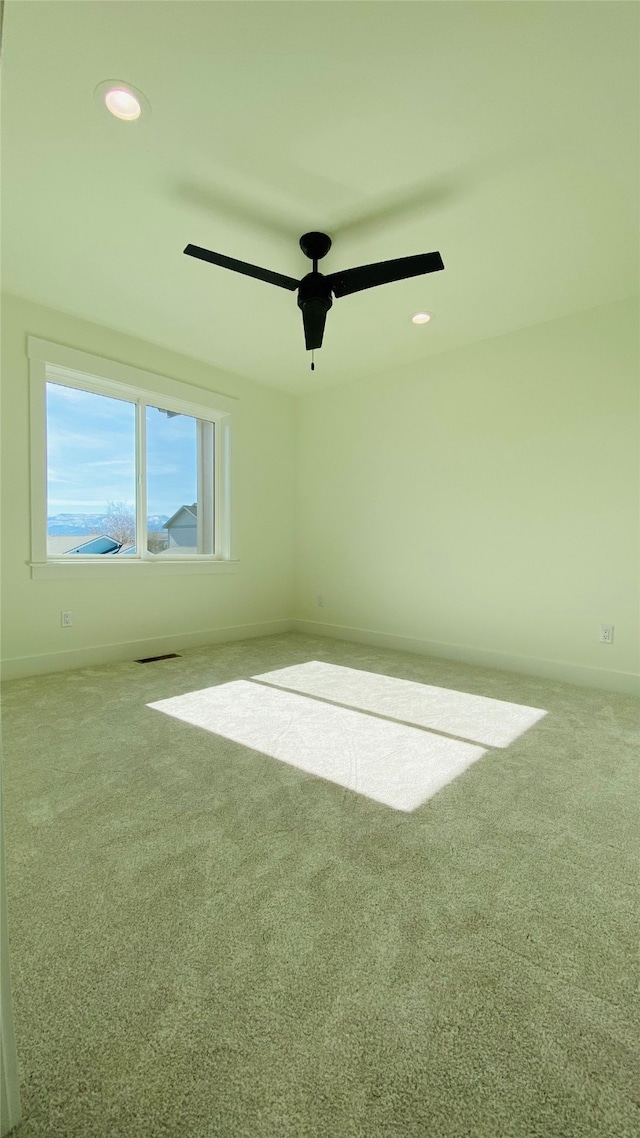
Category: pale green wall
[487,498]
[107,612]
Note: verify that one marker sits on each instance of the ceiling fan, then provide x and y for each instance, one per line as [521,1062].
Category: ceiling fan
[315,289]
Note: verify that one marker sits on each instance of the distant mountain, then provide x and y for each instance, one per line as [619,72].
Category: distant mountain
[78,525]
[74,524]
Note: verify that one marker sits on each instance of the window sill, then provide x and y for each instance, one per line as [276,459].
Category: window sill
[110,567]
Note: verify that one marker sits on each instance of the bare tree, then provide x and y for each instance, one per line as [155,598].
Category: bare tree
[120,522]
[157,541]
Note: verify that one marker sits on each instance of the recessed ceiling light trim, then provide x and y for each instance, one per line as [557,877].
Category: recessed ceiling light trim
[121,100]
[421,318]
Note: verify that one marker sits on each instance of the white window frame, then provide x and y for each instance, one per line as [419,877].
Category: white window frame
[50,362]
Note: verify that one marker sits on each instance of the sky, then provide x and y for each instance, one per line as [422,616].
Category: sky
[91,454]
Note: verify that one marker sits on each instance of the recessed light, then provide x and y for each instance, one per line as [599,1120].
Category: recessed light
[121,100]
[123,104]
[420,318]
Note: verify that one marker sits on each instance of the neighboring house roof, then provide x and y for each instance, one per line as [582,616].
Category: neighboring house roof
[193,510]
[102,544]
[132,551]
[60,543]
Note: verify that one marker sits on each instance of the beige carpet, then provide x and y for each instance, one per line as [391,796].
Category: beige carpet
[220,926]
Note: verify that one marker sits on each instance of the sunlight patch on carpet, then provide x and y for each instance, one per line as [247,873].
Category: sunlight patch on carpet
[493,722]
[391,763]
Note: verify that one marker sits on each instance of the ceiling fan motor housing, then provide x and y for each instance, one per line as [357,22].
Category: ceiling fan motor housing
[314,287]
[314,299]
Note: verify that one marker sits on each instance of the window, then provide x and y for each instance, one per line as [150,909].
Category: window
[128,468]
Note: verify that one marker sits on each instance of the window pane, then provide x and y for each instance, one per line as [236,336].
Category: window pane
[179,484]
[91,480]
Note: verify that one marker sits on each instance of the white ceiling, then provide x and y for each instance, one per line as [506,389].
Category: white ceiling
[503,134]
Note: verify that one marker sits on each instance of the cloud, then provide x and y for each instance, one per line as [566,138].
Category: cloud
[156,469]
[128,462]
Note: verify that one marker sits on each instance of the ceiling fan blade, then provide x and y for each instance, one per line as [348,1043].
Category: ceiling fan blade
[314,315]
[383,272]
[242,267]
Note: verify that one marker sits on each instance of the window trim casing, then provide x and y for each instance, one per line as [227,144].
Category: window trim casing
[58,363]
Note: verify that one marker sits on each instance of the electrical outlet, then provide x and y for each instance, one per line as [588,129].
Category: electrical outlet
[606,634]
[66,619]
[320,601]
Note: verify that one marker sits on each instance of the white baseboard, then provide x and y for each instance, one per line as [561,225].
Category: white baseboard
[16,668]
[625,682]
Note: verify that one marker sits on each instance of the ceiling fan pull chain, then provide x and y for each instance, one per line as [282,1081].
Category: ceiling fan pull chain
[313,366]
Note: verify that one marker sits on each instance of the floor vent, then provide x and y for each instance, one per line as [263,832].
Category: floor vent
[152,659]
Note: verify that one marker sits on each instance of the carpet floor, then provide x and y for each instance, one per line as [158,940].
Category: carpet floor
[208,940]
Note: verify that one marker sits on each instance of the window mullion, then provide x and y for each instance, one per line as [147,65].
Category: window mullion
[222,489]
[141,479]
[206,542]
[200,522]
